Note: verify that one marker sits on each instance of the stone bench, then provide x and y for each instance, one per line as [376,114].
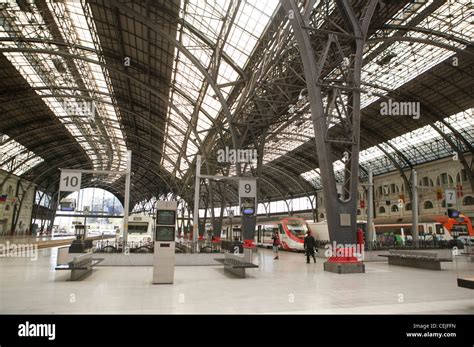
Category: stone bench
[81,266]
[423,260]
[237,263]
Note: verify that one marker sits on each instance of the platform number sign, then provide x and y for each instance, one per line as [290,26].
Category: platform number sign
[450,196]
[247,188]
[70,181]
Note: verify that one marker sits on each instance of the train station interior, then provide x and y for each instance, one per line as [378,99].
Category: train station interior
[236,157]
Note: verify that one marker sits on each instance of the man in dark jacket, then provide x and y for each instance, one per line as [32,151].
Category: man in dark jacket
[309,246]
[276,244]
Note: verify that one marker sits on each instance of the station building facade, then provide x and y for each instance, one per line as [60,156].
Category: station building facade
[16,204]
[392,198]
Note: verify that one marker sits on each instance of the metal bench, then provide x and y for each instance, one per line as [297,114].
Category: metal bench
[423,260]
[81,266]
[236,263]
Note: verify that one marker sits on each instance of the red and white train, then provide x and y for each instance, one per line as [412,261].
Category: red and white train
[290,230]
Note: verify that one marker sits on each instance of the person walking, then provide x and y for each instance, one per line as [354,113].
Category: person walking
[309,246]
[276,243]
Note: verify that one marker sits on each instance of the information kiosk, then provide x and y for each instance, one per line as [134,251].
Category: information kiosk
[80,244]
[164,257]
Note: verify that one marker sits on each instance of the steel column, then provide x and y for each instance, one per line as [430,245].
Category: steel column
[343,106]
[370,211]
[195,234]
[414,206]
[126,201]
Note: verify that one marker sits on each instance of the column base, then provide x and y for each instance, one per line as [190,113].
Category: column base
[344,268]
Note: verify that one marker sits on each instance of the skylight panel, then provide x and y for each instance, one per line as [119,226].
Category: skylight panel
[403,61]
[51,71]
[208,18]
[429,145]
[16,158]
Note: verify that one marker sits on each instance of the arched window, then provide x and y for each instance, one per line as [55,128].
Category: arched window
[428,205]
[464,175]
[381,209]
[408,206]
[426,182]
[358,212]
[394,208]
[444,179]
[468,201]
[321,215]
[394,189]
[10,190]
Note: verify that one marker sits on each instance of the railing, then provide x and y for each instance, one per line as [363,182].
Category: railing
[421,244]
[116,246]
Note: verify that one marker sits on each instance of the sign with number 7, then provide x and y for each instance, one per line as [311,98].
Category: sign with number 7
[450,196]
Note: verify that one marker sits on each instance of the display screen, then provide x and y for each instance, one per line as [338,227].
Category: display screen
[247,206]
[248,211]
[67,206]
[164,233]
[453,213]
[166,217]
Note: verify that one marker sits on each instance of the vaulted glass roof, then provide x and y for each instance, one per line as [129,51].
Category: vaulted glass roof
[166,105]
[419,146]
[75,90]
[395,65]
[15,158]
[222,36]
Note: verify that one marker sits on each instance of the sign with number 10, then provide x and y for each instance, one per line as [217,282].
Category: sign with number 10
[70,181]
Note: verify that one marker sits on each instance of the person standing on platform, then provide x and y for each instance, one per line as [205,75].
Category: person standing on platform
[276,243]
[309,246]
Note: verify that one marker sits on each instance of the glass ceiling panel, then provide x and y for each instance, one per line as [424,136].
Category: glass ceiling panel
[419,146]
[401,62]
[15,158]
[85,120]
[208,18]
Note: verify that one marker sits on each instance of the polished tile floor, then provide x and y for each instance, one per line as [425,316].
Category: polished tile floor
[287,285]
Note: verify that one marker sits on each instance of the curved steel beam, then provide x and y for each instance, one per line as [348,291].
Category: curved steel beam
[426,31]
[420,40]
[149,123]
[109,58]
[172,40]
[144,85]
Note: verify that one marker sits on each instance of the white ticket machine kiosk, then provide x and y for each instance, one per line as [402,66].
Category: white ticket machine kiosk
[164,256]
